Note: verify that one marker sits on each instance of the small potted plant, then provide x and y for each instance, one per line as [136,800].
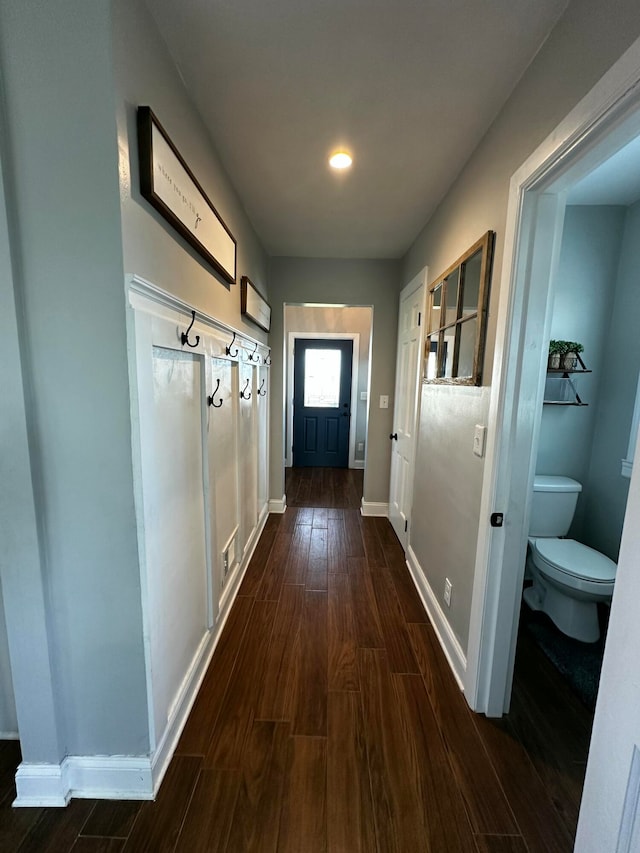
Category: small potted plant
[556,351]
[569,357]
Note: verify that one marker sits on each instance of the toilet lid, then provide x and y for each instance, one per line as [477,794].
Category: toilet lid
[577,559]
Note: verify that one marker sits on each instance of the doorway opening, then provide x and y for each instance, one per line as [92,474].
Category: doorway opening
[605,124]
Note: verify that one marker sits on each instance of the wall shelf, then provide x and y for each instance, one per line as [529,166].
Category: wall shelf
[560,386]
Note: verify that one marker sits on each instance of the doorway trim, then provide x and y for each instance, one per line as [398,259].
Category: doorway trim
[334,336]
[605,119]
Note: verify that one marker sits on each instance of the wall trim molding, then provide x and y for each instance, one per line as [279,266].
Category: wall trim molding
[9,736]
[358,464]
[115,777]
[278,505]
[374,508]
[451,647]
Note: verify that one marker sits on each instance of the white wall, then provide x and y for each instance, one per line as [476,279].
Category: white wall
[309,319]
[583,45]
[353,282]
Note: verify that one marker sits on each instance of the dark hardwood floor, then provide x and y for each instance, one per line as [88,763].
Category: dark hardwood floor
[329,721]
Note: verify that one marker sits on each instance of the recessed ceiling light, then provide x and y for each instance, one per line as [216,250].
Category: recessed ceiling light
[340,160]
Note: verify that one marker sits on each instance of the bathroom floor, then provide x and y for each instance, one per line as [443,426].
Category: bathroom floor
[578,663]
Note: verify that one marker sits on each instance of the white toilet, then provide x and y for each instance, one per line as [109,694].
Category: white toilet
[568,578]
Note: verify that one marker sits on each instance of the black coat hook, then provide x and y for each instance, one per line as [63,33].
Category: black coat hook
[262,393]
[247,395]
[267,360]
[228,349]
[210,400]
[184,337]
[254,356]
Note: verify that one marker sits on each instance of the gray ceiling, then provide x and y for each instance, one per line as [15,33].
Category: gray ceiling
[409,86]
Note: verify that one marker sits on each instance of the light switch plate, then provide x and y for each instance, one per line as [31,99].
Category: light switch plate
[364,395]
[479,437]
[384,401]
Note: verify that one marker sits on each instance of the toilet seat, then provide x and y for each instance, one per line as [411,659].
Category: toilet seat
[574,560]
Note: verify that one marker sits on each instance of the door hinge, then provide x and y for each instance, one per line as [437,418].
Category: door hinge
[406,525]
[497,519]
[419,316]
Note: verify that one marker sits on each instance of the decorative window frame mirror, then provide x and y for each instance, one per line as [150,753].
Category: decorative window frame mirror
[457,318]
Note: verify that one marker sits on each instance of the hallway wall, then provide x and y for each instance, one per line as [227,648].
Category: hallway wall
[586,41]
[353,282]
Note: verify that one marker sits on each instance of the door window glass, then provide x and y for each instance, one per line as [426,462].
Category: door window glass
[322,378]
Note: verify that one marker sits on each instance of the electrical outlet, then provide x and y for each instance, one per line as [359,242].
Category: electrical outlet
[447,592]
[360,445]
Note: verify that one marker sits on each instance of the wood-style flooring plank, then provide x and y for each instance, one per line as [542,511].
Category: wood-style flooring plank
[197,733]
[353,534]
[394,629]
[158,823]
[350,819]
[16,824]
[317,566]
[397,805]
[486,803]
[289,519]
[85,844]
[296,568]
[277,699]
[446,820]
[541,827]
[57,829]
[343,643]
[241,697]
[320,517]
[269,589]
[372,549]
[412,606]
[208,820]
[112,818]
[336,548]
[310,716]
[256,818]
[258,562]
[305,515]
[501,844]
[365,608]
[303,823]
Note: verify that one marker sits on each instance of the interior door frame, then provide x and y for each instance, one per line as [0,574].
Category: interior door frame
[603,121]
[323,336]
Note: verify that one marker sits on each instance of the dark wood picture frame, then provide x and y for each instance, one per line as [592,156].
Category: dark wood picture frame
[171,187]
[253,305]
[443,330]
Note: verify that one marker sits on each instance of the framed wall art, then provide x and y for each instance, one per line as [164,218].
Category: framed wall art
[171,187]
[253,305]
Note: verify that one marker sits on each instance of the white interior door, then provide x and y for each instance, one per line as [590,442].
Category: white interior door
[405,413]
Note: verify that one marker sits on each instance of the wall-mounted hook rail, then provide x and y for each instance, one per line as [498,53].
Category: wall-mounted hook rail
[228,348]
[244,394]
[184,337]
[254,355]
[262,393]
[211,399]
[267,360]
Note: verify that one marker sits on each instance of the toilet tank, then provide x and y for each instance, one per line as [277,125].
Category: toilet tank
[553,506]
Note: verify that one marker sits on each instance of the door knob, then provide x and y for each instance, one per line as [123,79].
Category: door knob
[394,436]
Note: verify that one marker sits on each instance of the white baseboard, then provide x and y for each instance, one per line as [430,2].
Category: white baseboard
[450,646]
[358,464]
[9,736]
[278,505]
[106,777]
[374,508]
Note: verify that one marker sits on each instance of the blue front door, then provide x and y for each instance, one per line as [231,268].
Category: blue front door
[321,402]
